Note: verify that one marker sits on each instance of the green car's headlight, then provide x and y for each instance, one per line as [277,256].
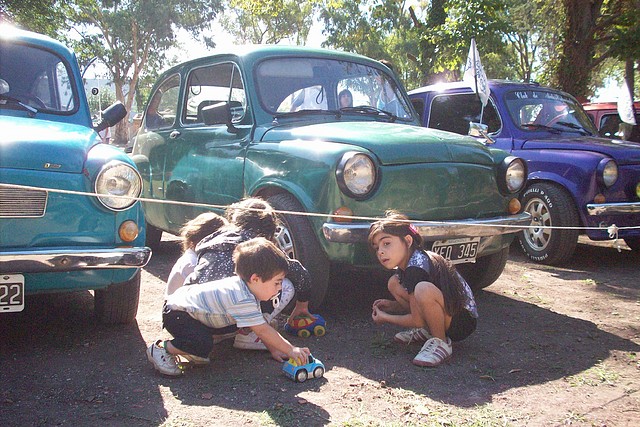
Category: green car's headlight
[356,175]
[118,179]
[514,174]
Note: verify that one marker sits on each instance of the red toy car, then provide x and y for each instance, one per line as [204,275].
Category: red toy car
[304,326]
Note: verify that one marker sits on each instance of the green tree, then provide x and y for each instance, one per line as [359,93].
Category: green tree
[42,16]
[269,21]
[380,29]
[128,36]
[596,30]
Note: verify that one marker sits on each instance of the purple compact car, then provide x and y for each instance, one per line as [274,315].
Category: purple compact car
[576,181]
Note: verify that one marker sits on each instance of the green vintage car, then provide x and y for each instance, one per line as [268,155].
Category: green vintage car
[270,121]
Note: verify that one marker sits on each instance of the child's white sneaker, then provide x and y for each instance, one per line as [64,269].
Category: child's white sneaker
[248,340]
[416,335]
[434,352]
[162,360]
[195,360]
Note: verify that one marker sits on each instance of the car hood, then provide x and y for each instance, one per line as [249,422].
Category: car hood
[392,143]
[624,152]
[27,143]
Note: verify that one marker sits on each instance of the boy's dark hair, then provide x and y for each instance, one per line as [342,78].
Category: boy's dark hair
[396,224]
[253,214]
[261,257]
[200,227]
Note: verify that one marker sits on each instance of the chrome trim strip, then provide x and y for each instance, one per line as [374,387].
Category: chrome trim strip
[613,208]
[57,260]
[358,233]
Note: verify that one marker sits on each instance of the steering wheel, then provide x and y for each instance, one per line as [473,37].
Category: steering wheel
[32,100]
[556,119]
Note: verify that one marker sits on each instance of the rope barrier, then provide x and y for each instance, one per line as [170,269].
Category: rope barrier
[612,230]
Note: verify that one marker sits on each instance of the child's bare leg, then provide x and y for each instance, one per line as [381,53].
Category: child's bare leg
[428,305]
[399,293]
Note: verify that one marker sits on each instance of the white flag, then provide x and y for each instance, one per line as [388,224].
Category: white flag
[474,74]
[625,105]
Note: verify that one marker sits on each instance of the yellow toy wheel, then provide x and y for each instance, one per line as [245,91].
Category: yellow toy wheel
[319,331]
[303,333]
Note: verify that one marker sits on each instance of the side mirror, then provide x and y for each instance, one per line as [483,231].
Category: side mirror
[111,116]
[480,130]
[217,114]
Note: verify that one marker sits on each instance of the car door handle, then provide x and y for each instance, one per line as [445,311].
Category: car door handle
[174,134]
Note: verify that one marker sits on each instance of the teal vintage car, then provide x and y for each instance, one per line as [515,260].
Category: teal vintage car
[267,121]
[54,237]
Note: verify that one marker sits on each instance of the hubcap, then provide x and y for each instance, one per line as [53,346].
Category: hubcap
[538,237]
[285,240]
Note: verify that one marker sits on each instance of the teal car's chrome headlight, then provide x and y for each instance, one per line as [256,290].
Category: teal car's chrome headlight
[607,172]
[514,174]
[118,179]
[356,174]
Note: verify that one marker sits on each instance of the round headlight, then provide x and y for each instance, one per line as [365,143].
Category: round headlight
[609,173]
[121,180]
[515,174]
[356,175]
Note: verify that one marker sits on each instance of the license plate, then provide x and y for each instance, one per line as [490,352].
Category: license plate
[457,250]
[11,293]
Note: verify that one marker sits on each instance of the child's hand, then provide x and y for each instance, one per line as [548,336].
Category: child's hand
[278,356]
[378,315]
[300,355]
[383,304]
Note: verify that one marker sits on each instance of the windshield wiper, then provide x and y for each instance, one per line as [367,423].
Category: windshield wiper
[32,111]
[367,109]
[337,113]
[542,127]
[574,126]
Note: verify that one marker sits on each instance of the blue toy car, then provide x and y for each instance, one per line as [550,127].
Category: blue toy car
[313,369]
[304,326]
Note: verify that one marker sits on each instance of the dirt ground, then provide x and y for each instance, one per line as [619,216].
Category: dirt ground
[554,346]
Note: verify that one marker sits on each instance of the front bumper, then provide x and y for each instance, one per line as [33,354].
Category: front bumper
[58,260]
[434,230]
[613,208]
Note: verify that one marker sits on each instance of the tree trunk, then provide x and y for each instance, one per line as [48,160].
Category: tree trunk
[578,48]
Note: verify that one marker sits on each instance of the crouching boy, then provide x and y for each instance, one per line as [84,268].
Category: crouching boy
[194,314]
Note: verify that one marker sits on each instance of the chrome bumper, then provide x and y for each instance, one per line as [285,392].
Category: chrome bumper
[56,260]
[613,208]
[434,230]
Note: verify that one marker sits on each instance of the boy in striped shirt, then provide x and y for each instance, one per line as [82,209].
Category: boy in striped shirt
[193,314]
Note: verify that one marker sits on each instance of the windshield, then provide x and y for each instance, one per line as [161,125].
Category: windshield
[35,78]
[289,85]
[535,110]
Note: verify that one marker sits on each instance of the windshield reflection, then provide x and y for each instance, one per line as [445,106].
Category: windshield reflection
[292,85]
[536,110]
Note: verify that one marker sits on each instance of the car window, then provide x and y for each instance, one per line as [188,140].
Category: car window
[454,112]
[418,105]
[38,78]
[162,109]
[211,85]
[532,110]
[297,84]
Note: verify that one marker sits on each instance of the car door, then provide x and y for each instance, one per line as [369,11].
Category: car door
[205,163]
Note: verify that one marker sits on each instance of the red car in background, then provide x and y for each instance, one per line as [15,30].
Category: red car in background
[606,118]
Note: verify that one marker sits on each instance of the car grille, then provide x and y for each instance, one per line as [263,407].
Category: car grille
[22,203]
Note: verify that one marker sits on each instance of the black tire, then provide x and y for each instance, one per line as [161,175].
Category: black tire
[301,376]
[318,372]
[485,270]
[153,237]
[633,243]
[118,303]
[297,239]
[549,205]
